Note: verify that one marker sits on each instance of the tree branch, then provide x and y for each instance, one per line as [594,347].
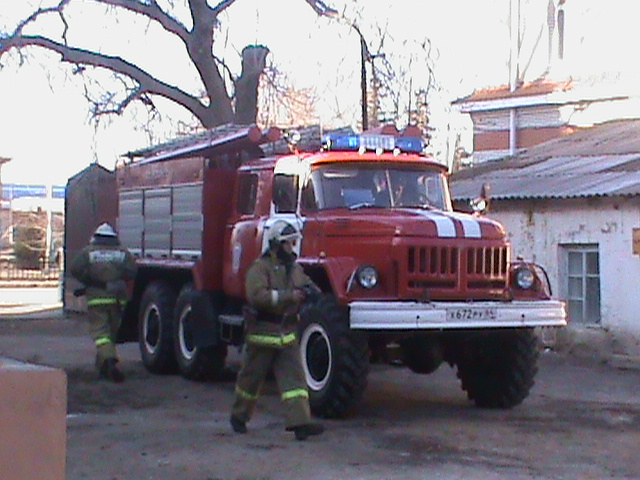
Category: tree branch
[78,56]
[222,6]
[200,50]
[41,11]
[153,11]
[322,9]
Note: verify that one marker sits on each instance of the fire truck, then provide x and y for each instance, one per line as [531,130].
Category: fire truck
[404,278]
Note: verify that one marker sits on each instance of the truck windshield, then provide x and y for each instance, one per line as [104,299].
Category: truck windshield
[357,186]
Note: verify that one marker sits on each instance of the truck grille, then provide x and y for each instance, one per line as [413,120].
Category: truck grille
[457,269]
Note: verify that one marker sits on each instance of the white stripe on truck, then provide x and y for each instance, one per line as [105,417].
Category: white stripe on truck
[470,225]
[446,227]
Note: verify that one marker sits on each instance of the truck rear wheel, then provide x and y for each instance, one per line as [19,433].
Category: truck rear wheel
[154,328]
[195,363]
[497,370]
[335,359]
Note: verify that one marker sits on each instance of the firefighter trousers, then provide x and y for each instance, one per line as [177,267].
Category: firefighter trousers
[104,322]
[289,377]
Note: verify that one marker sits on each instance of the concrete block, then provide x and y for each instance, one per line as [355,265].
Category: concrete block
[33,421]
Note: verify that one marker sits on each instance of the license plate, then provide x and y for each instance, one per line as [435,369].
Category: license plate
[471,313]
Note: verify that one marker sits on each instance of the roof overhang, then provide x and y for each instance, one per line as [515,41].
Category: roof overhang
[554,98]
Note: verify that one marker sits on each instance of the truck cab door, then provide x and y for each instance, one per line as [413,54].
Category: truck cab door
[242,234]
[284,206]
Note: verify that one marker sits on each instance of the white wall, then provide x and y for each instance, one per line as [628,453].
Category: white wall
[537,229]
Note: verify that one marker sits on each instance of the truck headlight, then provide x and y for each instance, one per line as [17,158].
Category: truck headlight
[525,278]
[367,277]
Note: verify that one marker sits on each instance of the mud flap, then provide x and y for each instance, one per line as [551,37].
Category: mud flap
[204,321]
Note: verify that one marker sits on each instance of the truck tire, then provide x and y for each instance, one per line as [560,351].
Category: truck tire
[497,370]
[195,363]
[155,326]
[335,359]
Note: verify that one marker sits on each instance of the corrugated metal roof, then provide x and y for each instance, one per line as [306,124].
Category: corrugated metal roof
[603,160]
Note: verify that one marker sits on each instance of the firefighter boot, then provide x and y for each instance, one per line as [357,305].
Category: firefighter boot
[110,372]
[238,425]
[302,432]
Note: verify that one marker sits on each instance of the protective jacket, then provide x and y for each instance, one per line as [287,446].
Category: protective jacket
[104,266]
[269,290]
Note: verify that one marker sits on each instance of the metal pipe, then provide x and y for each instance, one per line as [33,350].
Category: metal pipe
[363,78]
[514,71]
[513,132]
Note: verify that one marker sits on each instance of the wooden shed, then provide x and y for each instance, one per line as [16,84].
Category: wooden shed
[91,200]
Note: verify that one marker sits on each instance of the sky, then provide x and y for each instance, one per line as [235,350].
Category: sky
[49,137]
[45,127]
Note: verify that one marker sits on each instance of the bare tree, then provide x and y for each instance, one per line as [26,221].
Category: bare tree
[401,83]
[216,104]
[397,76]
[282,104]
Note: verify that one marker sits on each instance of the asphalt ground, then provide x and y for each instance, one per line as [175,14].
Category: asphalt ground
[581,421]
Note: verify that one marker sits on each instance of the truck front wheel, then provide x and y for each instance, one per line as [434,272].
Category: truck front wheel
[154,328]
[497,369]
[335,359]
[195,363]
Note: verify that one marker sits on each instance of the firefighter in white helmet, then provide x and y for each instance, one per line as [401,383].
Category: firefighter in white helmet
[104,267]
[275,288]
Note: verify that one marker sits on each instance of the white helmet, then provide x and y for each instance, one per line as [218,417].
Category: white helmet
[105,230]
[282,231]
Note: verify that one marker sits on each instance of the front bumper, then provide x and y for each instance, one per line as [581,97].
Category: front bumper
[455,315]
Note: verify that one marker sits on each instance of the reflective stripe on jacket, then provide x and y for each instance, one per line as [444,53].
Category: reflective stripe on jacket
[269,288]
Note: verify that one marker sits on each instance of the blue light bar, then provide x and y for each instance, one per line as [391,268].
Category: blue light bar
[410,144]
[386,143]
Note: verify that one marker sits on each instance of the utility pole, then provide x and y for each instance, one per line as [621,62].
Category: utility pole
[49,231]
[514,71]
[365,55]
[10,226]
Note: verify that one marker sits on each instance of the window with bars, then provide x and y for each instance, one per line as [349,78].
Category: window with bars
[582,265]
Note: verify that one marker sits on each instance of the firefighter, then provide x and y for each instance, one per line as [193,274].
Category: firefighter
[380,191]
[275,287]
[104,267]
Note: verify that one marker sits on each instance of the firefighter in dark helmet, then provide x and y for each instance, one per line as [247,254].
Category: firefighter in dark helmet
[104,267]
[275,287]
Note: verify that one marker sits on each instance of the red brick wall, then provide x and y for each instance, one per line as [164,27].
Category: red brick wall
[528,137]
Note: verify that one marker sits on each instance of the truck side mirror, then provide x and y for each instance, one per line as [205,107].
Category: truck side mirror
[480,205]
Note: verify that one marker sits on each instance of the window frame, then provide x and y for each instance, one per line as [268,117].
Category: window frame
[247,193]
[579,284]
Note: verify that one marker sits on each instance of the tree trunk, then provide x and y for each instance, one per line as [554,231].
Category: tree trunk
[253,64]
